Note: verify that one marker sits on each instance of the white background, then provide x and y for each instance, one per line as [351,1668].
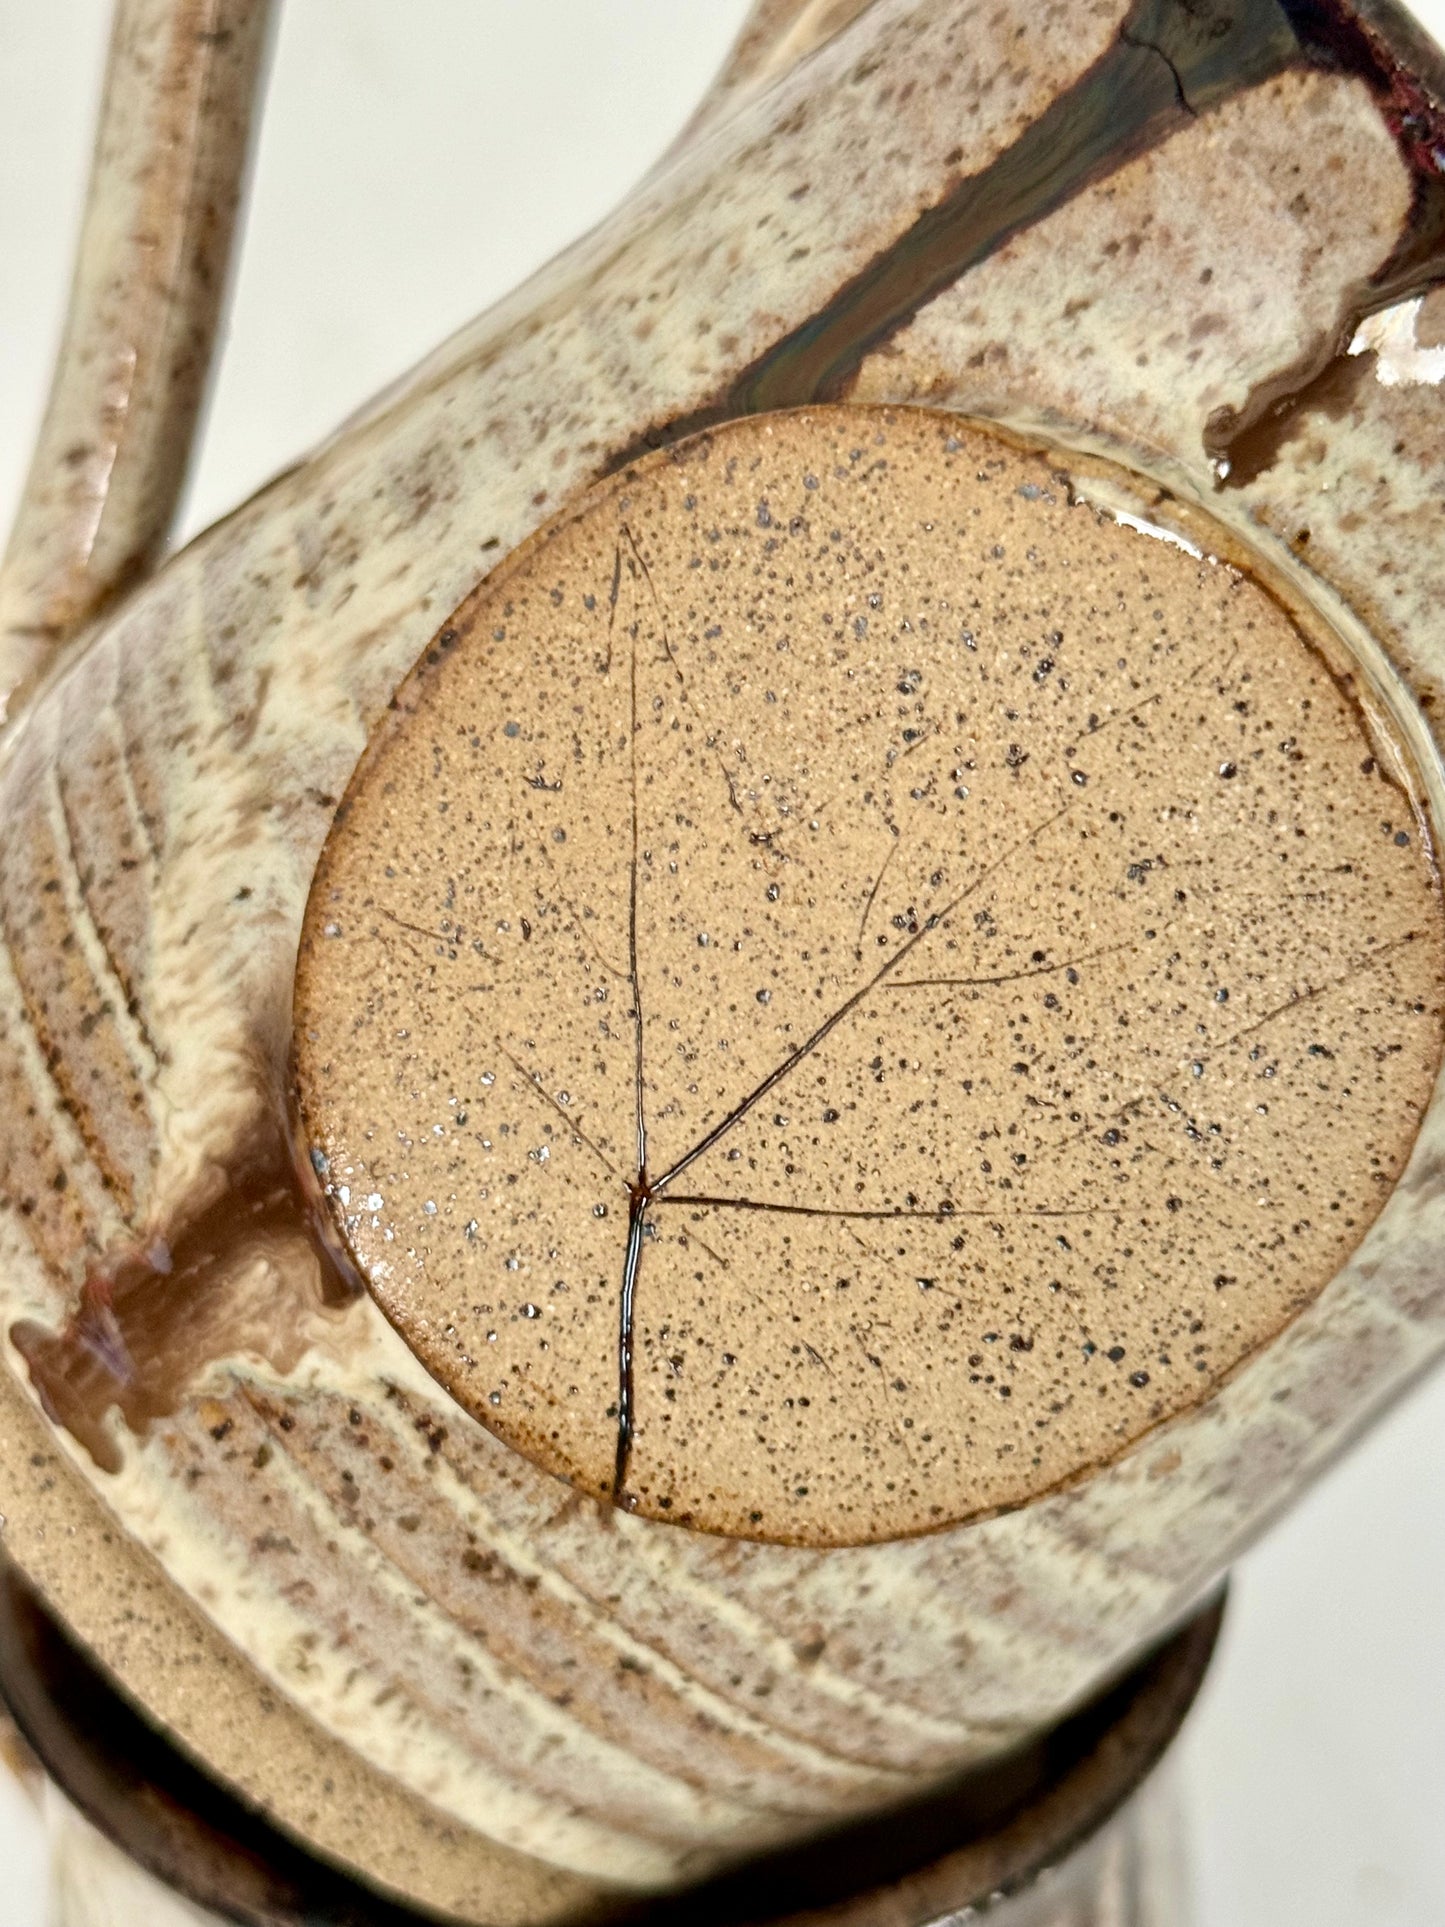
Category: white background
[416,161]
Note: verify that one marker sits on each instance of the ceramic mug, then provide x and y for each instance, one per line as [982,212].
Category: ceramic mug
[723,1041]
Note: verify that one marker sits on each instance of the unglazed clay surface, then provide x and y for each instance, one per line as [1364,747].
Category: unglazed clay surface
[1120,233]
[852,984]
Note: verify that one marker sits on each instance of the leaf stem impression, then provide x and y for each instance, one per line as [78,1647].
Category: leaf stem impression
[648,1191]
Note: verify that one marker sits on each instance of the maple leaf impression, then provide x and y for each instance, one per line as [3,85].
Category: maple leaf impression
[852,985]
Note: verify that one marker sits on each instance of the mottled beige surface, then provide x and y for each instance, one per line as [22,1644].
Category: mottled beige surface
[162,1646]
[775,37]
[1145,304]
[150,283]
[982,936]
[402,1588]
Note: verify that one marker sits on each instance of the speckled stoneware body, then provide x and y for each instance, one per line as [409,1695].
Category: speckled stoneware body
[1183,260]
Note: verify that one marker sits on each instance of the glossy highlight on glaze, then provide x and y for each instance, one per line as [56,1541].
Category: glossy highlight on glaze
[258,1275]
[1168,64]
[571,1696]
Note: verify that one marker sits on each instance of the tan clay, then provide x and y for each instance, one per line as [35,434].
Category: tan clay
[851,985]
[1110,229]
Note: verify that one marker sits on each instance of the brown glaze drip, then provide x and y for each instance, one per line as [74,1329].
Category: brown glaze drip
[1125,104]
[1313,387]
[1243,443]
[1170,63]
[255,1274]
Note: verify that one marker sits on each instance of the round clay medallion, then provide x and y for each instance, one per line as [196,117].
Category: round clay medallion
[851,985]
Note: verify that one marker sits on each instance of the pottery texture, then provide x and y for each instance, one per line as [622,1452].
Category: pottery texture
[1205,287]
[150,285]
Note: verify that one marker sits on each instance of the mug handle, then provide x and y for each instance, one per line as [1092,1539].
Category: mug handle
[152,267]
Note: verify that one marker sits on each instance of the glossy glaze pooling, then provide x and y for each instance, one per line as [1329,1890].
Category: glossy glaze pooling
[145,307]
[260,1274]
[488,1694]
[1166,64]
[948,971]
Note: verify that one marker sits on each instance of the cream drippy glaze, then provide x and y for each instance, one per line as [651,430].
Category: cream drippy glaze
[471,1665]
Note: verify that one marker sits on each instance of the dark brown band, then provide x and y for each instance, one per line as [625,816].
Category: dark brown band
[989,1831]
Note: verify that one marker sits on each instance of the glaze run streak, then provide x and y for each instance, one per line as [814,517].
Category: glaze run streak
[1167,64]
[256,1273]
[1171,62]
[1243,443]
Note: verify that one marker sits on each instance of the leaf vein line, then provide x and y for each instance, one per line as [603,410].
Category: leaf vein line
[849,1004]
